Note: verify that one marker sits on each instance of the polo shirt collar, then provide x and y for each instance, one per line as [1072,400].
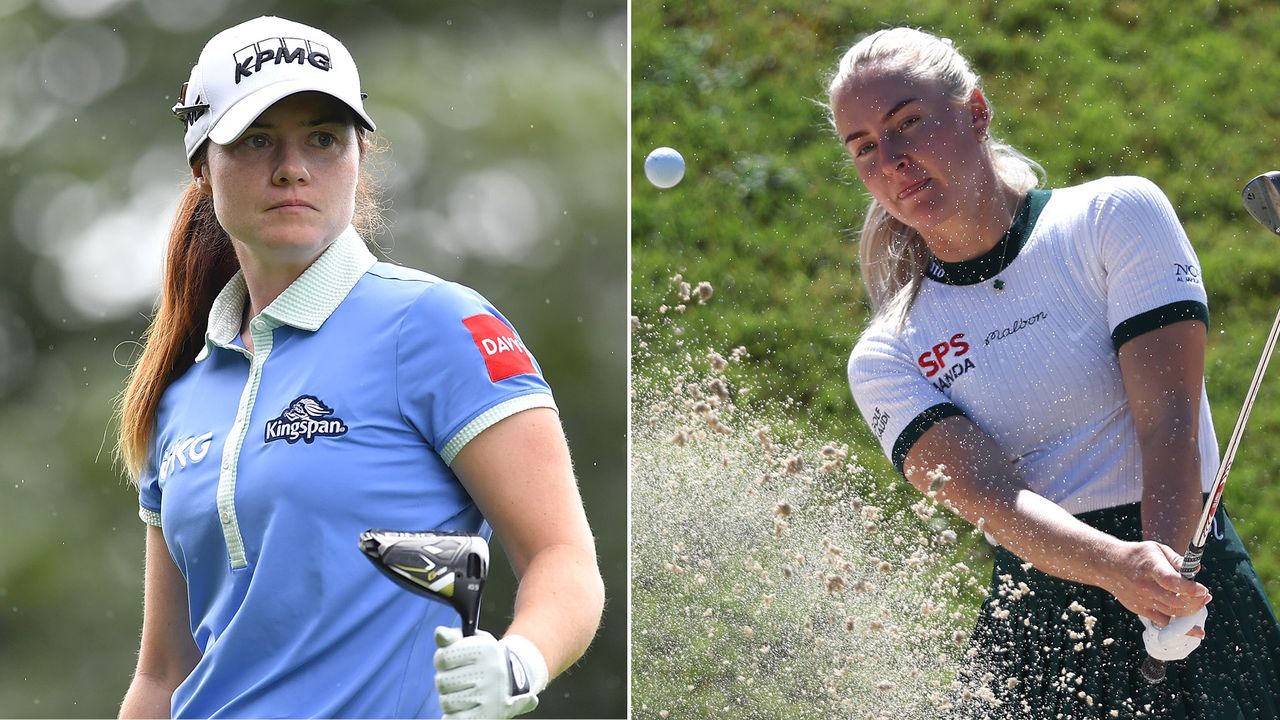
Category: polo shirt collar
[993,262]
[305,304]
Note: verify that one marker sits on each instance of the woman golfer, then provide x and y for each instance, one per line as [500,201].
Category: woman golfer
[1036,357]
[294,392]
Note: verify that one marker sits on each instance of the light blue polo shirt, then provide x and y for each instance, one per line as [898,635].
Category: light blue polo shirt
[366,380]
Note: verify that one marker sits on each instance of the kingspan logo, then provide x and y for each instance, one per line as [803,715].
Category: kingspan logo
[277,50]
[305,419]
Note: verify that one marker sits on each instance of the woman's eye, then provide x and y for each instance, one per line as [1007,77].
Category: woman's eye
[863,149]
[325,139]
[909,122]
[256,141]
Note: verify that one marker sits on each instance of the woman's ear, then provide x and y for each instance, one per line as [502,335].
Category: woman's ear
[980,113]
[198,172]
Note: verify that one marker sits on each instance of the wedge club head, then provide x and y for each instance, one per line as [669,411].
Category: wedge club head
[1262,199]
[449,567]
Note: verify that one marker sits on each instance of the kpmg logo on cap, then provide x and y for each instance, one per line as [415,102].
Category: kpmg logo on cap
[277,50]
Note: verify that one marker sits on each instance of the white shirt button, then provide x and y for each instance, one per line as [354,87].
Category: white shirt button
[226,518]
[259,324]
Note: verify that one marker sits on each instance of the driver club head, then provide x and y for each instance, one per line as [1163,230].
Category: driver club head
[1262,199]
[449,567]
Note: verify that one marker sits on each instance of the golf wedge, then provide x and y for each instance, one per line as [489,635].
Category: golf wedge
[1262,199]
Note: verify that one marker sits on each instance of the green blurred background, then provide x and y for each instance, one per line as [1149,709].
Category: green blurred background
[506,170]
[1186,93]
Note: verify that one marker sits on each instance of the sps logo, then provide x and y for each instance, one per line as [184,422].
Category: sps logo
[948,358]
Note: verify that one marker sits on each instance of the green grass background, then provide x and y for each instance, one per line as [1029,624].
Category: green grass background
[1185,93]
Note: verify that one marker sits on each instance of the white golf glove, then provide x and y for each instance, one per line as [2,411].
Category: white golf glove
[483,677]
[1172,641]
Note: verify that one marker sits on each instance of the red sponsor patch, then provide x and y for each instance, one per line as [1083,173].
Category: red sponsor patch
[504,355]
[935,360]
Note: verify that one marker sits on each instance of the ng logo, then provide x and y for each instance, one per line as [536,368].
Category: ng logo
[184,452]
[1186,273]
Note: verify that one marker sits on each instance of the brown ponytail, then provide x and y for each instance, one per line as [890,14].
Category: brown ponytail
[199,262]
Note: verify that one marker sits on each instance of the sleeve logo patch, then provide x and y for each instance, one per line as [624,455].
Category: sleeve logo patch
[504,355]
[879,421]
[1186,273]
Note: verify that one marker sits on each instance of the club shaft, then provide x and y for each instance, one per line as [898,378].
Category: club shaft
[1215,493]
[1153,670]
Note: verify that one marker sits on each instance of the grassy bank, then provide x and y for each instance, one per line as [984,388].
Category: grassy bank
[768,210]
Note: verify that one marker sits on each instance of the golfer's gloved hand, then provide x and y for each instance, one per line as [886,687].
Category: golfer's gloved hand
[483,677]
[1172,641]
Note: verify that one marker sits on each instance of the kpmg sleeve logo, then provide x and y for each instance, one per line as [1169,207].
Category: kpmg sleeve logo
[251,59]
[305,419]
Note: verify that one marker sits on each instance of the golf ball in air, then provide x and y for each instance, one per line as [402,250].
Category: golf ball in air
[664,167]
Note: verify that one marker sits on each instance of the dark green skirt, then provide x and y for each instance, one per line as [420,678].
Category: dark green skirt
[1044,659]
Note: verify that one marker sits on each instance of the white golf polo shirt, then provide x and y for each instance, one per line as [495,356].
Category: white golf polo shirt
[365,382]
[1034,364]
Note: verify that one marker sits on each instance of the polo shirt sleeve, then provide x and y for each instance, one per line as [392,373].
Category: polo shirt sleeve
[1152,275]
[894,398]
[149,494]
[461,368]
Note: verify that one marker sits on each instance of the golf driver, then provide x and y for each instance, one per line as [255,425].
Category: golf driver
[449,567]
[1262,200]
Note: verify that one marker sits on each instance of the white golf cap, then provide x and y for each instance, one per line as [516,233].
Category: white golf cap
[245,69]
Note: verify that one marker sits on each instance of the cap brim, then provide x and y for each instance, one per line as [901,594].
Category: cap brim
[238,117]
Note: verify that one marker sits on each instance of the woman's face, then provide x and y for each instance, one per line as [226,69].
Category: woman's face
[917,151]
[286,187]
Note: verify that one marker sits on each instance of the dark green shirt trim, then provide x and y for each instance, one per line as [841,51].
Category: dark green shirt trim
[1158,318]
[914,429]
[991,263]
